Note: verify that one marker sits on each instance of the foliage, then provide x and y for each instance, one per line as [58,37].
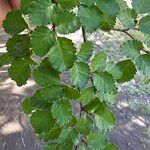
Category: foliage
[93,77]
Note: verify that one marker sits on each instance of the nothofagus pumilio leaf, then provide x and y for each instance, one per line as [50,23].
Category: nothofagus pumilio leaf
[59,112]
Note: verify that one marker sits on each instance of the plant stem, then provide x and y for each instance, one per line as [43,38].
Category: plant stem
[127,33]
[124,31]
[84,34]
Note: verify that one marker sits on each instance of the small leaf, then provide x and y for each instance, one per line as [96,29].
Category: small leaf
[144,24]
[141,6]
[84,125]
[71,93]
[92,105]
[68,23]
[85,51]
[104,118]
[110,7]
[62,55]
[128,70]
[99,62]
[68,138]
[131,48]
[45,75]
[67,4]
[20,71]
[51,135]
[5,59]
[18,46]
[14,23]
[80,74]
[36,102]
[42,121]
[62,111]
[40,12]
[113,70]
[42,40]
[127,17]
[52,93]
[87,95]
[26,106]
[96,141]
[143,62]
[104,82]
[110,146]
[90,18]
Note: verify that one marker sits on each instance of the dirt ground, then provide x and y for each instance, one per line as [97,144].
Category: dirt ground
[131,132]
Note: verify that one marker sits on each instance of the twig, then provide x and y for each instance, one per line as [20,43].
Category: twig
[127,33]
[124,31]
[84,34]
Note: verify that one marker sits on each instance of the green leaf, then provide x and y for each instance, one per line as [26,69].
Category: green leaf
[68,137]
[62,55]
[25,5]
[108,22]
[68,4]
[144,24]
[45,75]
[5,59]
[87,2]
[127,18]
[90,18]
[141,6]
[104,82]
[52,134]
[99,62]
[92,105]
[80,74]
[71,93]
[114,70]
[110,7]
[14,23]
[51,146]
[87,95]
[62,111]
[131,48]
[85,51]
[110,146]
[96,141]
[18,46]
[84,125]
[42,40]
[108,98]
[35,102]
[128,70]
[143,62]
[146,40]
[40,12]
[26,106]
[69,23]
[42,121]
[104,118]
[52,93]
[20,71]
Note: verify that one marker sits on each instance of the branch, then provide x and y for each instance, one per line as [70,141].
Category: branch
[124,31]
[127,33]
[147,52]
[84,34]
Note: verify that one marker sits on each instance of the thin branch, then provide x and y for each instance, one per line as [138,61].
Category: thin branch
[124,31]
[147,52]
[84,34]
